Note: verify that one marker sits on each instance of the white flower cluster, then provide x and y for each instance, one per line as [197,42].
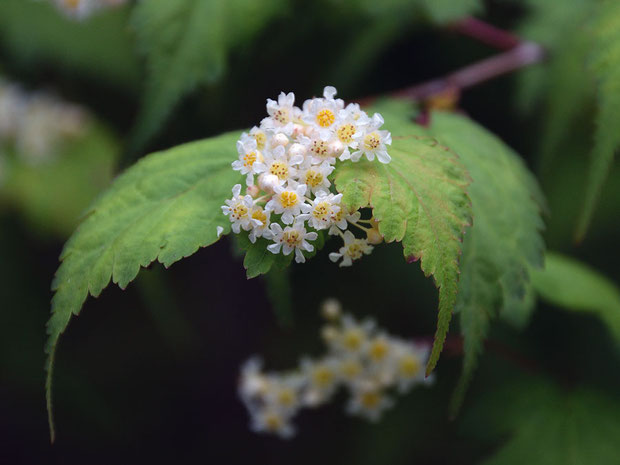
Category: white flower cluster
[360,357]
[287,162]
[34,124]
[81,9]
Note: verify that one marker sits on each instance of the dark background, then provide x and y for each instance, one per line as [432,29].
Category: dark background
[148,375]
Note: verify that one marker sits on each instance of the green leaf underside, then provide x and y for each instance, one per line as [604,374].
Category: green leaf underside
[504,241]
[569,284]
[420,199]
[186,43]
[163,208]
[542,424]
[605,67]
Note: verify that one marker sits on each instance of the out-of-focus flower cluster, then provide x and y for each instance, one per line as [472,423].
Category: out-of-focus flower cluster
[35,124]
[360,357]
[287,161]
[81,9]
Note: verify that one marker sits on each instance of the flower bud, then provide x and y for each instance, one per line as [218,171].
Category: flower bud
[267,181]
[331,309]
[298,130]
[373,236]
[279,139]
[253,191]
[336,148]
[297,149]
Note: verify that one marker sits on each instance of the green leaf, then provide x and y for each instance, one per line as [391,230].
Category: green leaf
[52,195]
[504,241]
[36,33]
[186,44]
[258,260]
[605,66]
[571,285]
[546,425]
[419,199]
[444,11]
[163,208]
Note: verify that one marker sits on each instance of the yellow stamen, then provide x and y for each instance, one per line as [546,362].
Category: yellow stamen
[325,118]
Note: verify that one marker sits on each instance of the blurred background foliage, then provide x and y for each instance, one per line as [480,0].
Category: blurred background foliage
[149,374]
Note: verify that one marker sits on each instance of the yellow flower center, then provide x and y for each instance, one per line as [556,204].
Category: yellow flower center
[261,140]
[351,368]
[355,250]
[346,133]
[409,366]
[239,211]
[379,350]
[273,422]
[72,3]
[353,339]
[370,399]
[249,159]
[292,238]
[322,211]
[289,199]
[319,147]
[313,178]
[325,118]
[372,141]
[259,214]
[322,376]
[287,397]
[281,115]
[279,169]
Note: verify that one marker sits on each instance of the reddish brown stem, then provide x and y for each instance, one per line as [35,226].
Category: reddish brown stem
[486,33]
[517,54]
[522,55]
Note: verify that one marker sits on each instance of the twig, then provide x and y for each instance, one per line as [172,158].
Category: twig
[518,54]
[486,33]
[522,55]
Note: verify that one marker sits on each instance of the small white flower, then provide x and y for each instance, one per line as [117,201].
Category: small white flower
[322,379]
[238,210]
[259,215]
[409,361]
[274,421]
[250,159]
[253,384]
[322,113]
[351,121]
[353,337]
[350,369]
[291,238]
[318,148]
[260,136]
[219,230]
[284,392]
[341,220]
[368,401]
[372,142]
[279,164]
[321,213]
[287,201]
[353,249]
[282,113]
